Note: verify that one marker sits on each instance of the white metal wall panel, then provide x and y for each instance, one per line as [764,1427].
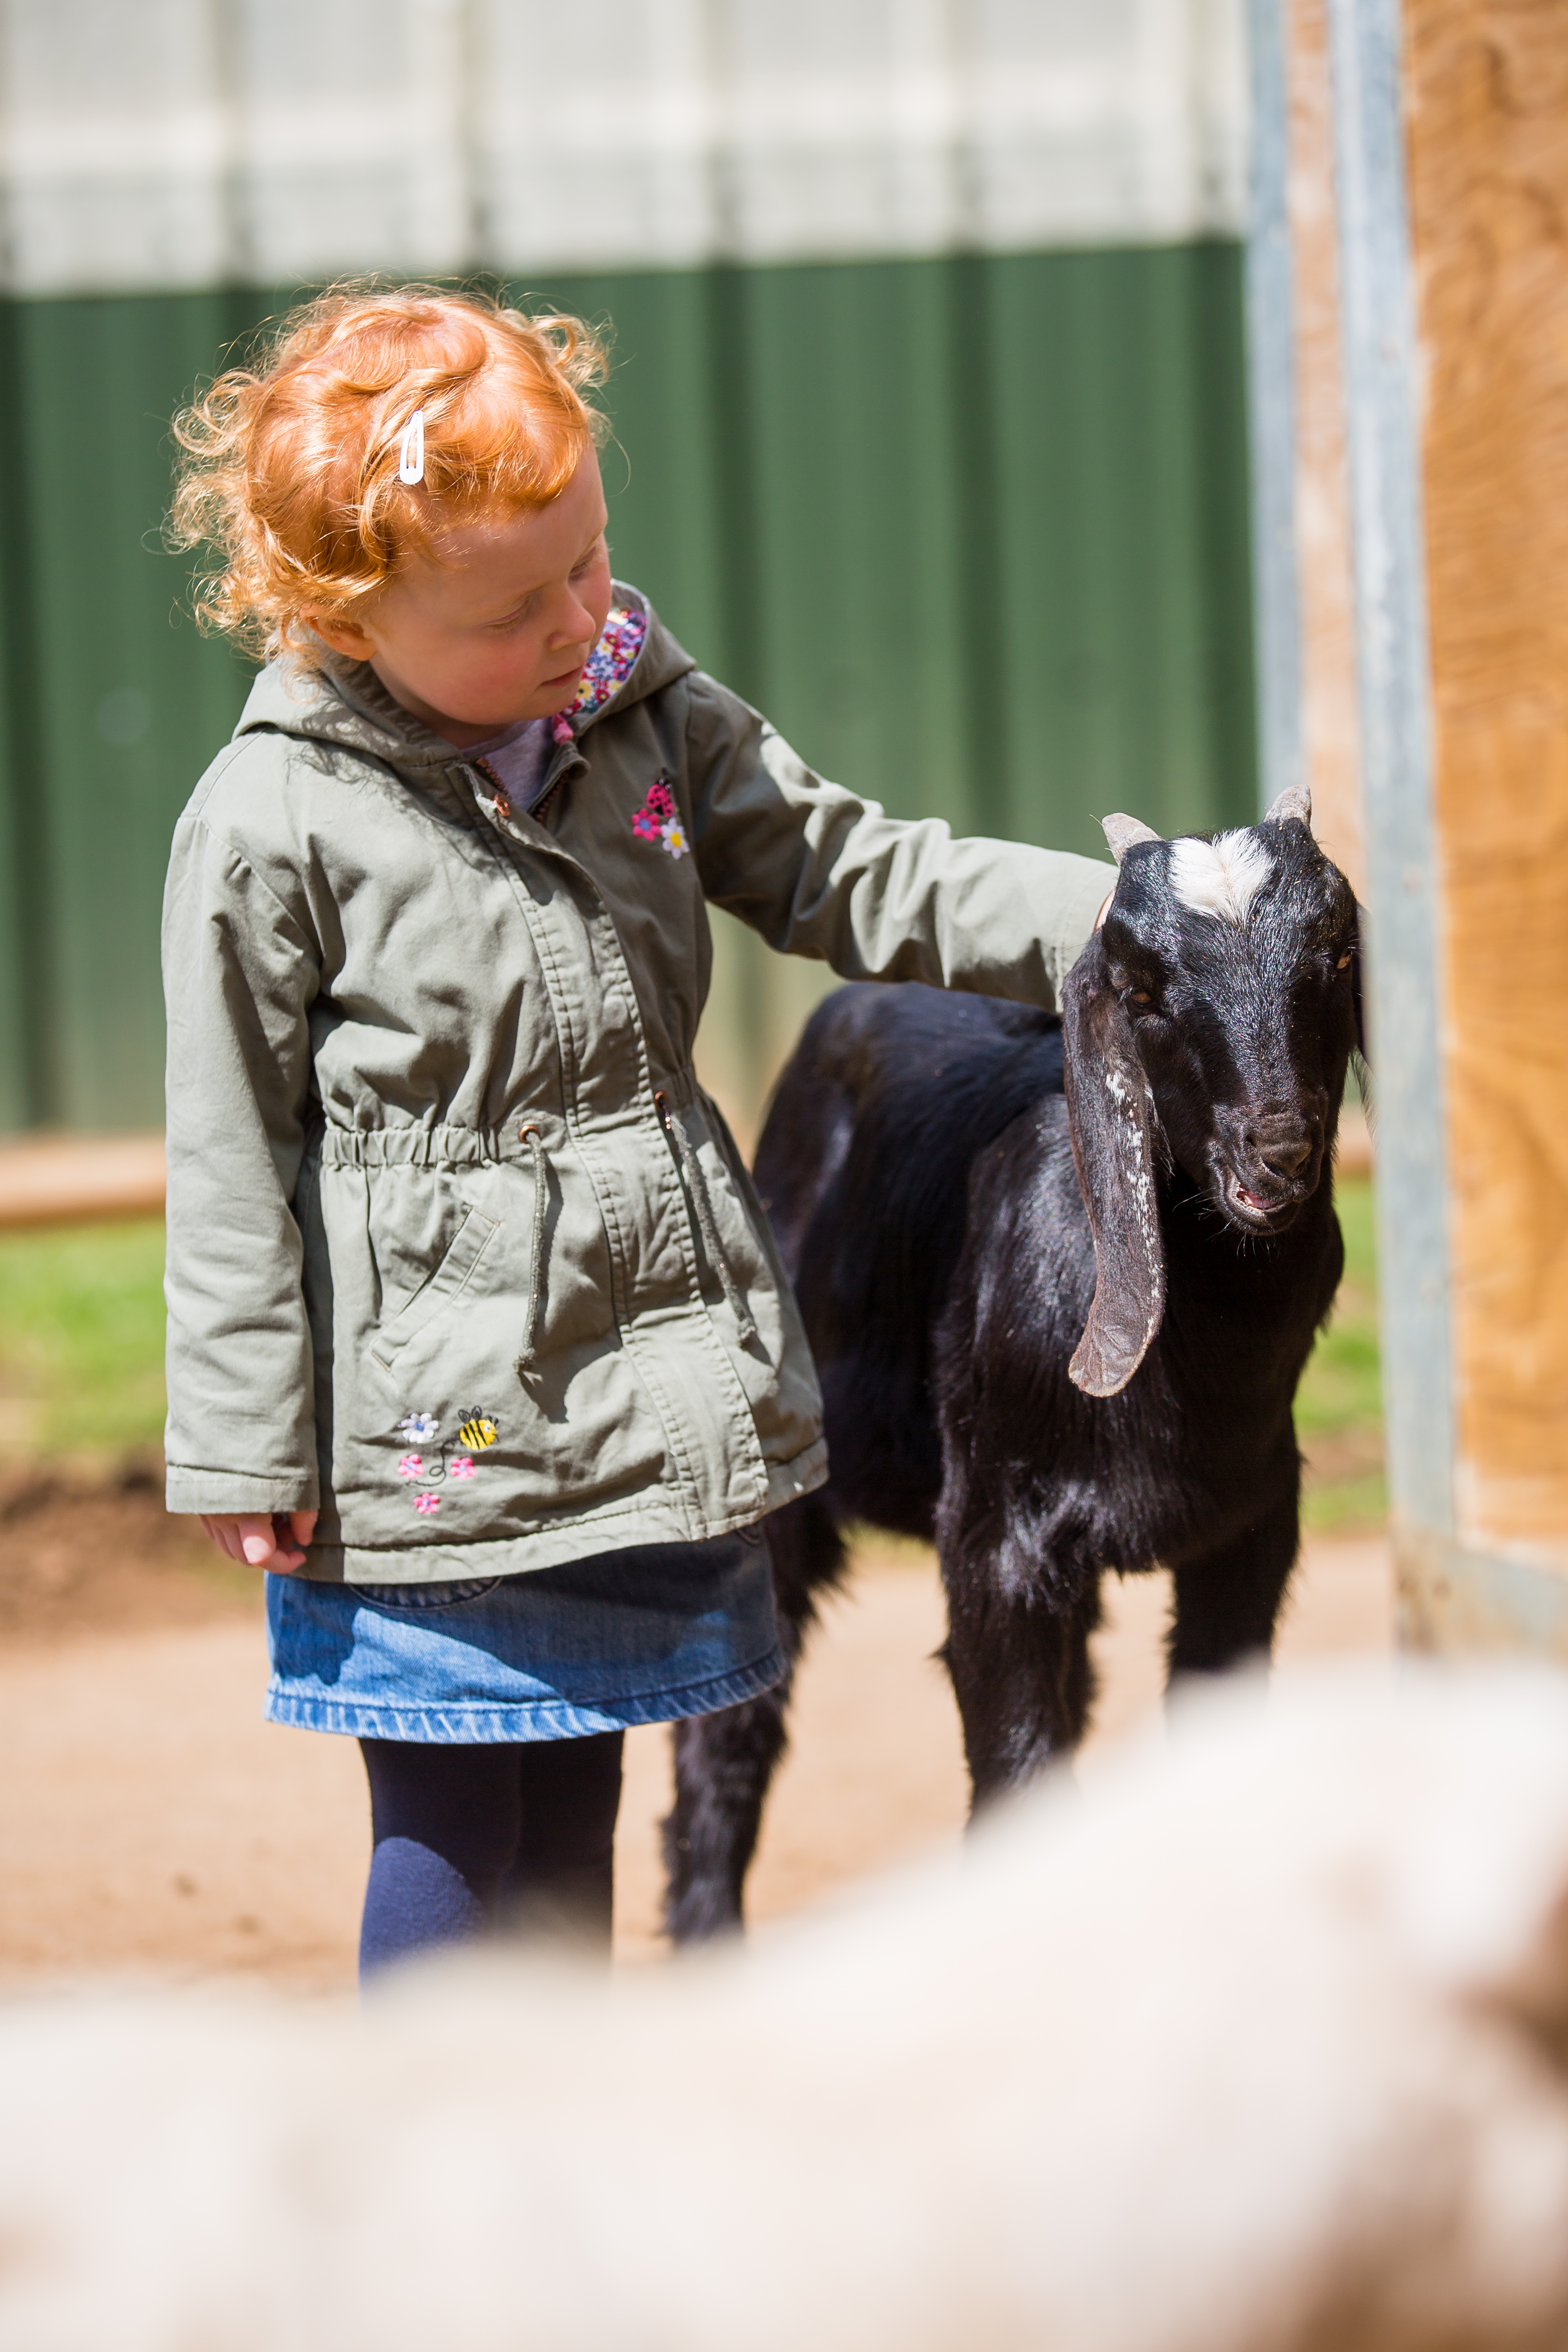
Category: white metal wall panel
[163,143]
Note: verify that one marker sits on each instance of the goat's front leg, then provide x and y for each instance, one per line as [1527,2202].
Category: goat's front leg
[1227,1599]
[725,1761]
[1021,1672]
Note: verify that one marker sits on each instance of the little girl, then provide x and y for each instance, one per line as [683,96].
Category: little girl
[479,1340]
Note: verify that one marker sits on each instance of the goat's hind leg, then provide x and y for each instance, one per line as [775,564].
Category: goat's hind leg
[724,1762]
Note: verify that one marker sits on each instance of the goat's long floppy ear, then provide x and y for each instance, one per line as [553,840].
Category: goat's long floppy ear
[1112,1119]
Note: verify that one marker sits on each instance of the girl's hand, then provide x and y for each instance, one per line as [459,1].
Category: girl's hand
[274,1543]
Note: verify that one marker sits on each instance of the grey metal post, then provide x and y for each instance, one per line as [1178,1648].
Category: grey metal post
[1382,415]
[1271,411]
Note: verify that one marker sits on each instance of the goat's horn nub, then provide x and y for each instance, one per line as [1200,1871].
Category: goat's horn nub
[1125,832]
[1295,801]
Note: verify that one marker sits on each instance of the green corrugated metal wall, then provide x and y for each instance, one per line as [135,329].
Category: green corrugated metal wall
[974,531]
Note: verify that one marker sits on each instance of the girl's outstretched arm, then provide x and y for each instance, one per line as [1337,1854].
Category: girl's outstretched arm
[820,872]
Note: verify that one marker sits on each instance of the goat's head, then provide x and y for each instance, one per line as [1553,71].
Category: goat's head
[1207,1024]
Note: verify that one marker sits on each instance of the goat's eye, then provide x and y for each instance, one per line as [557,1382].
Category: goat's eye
[1141,996]
[1343,964]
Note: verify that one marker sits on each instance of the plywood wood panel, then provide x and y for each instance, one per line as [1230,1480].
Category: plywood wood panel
[1487,110]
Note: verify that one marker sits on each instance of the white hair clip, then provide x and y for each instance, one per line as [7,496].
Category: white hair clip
[411,449]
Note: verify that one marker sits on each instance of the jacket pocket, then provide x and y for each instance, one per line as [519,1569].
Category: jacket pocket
[699,1206]
[442,1287]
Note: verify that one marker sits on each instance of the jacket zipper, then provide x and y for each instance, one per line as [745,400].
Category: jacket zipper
[502,798]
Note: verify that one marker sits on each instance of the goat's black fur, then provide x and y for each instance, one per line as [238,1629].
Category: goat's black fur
[1013,1360]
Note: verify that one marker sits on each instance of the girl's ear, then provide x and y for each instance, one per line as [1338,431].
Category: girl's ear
[1111,1121]
[342,635]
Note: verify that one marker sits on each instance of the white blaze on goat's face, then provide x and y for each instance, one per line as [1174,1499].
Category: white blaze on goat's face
[1222,876]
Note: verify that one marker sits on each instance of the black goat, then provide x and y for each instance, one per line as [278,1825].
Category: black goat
[1061,1277]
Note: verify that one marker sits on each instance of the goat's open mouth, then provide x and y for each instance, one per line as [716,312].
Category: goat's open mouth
[1257,1211]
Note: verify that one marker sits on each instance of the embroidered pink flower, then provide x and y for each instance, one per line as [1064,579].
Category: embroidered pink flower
[426,1504]
[411,1467]
[460,1466]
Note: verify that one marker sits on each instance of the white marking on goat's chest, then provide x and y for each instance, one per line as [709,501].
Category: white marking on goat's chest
[1220,877]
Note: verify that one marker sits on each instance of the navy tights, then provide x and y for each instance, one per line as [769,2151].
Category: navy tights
[468,1837]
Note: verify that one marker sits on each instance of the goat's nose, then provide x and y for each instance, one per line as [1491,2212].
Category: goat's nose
[1286,1156]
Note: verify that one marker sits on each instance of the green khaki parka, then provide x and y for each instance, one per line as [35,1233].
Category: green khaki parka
[458,1250]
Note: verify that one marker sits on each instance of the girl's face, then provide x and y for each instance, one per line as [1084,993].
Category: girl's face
[496,624]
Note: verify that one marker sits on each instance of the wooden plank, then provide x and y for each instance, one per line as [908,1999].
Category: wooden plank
[1453,1598]
[1487,84]
[73,1180]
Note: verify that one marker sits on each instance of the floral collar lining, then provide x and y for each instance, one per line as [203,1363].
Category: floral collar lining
[605,671]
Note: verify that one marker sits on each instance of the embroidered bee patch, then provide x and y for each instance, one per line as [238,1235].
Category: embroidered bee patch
[479,1428]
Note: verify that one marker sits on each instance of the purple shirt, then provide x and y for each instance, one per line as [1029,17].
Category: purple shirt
[519,757]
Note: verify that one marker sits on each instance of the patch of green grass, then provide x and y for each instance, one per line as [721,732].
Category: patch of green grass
[81,1340]
[1339,1405]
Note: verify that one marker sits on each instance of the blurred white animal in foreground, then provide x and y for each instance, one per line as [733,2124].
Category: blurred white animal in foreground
[1259,2047]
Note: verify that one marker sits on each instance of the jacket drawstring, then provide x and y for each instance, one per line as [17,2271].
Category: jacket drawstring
[531,1137]
[691,1169]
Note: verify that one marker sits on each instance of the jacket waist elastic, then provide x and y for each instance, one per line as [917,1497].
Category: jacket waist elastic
[464,1147]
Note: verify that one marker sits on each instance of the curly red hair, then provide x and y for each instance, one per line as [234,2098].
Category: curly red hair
[289,466]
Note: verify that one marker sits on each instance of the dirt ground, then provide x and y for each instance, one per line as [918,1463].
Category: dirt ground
[155,1823]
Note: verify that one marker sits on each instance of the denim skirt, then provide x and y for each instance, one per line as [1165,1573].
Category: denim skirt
[626,1637]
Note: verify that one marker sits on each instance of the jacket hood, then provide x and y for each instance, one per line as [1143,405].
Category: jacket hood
[346,704]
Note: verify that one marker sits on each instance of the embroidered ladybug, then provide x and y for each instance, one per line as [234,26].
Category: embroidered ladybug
[656,817]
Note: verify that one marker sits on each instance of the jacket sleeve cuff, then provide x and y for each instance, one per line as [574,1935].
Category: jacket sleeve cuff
[225,1494]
